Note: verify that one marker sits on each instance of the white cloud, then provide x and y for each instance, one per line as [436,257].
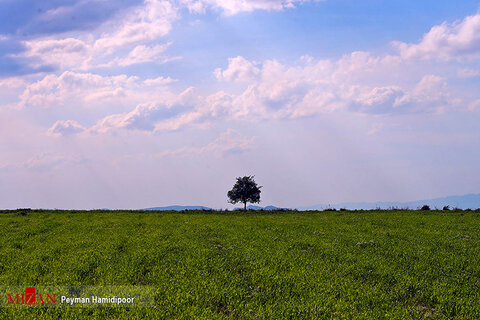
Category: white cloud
[132,36]
[325,87]
[55,90]
[379,99]
[239,69]
[218,104]
[88,89]
[456,41]
[142,54]
[192,118]
[151,116]
[430,94]
[359,82]
[231,7]
[147,23]
[361,66]
[106,46]
[65,128]
[65,53]
[280,91]
[160,81]
[143,117]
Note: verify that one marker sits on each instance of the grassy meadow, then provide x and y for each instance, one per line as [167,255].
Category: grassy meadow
[254,265]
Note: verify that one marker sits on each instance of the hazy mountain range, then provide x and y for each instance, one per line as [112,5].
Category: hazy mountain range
[471,201]
[178,208]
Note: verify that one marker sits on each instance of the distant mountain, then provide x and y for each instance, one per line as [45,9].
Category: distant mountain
[471,201]
[271,208]
[180,208]
[251,207]
[177,208]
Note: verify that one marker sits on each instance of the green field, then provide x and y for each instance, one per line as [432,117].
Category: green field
[255,265]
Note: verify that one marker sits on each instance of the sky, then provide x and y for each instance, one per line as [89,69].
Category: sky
[135,104]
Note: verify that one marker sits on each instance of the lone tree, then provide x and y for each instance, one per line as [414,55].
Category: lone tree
[245,190]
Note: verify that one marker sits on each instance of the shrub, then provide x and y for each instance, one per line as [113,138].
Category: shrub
[23,211]
[425,207]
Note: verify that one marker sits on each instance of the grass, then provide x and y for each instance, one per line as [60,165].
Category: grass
[255,265]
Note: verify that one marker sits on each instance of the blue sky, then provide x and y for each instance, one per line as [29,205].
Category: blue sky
[131,104]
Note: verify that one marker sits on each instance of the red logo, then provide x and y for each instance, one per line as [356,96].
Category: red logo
[31,297]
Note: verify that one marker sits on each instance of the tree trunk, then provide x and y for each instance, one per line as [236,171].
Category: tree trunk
[245,206]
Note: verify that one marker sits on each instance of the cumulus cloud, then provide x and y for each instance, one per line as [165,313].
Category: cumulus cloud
[361,66]
[87,89]
[142,54]
[143,117]
[106,46]
[231,7]
[65,128]
[64,53]
[378,99]
[239,69]
[431,94]
[147,23]
[186,109]
[358,82]
[150,116]
[455,41]
[160,81]
[281,91]
[55,90]
[126,34]
[285,91]
[327,86]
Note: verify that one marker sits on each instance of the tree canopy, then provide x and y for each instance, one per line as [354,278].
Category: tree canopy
[245,190]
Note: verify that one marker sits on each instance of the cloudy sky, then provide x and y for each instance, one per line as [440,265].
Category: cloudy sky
[132,104]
